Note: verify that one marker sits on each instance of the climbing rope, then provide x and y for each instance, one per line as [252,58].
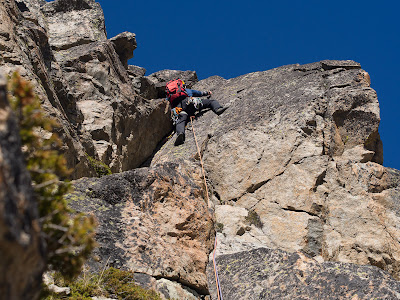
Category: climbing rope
[219,293]
[201,160]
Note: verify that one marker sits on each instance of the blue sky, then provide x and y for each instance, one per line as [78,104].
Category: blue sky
[230,38]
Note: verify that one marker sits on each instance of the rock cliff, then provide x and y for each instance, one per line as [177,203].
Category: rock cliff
[83,81]
[294,164]
[155,222]
[301,203]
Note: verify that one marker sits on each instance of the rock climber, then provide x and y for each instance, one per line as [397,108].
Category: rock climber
[185,103]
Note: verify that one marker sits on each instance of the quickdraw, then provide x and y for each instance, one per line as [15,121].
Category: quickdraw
[175,114]
[196,102]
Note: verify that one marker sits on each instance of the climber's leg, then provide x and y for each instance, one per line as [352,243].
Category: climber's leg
[214,105]
[180,128]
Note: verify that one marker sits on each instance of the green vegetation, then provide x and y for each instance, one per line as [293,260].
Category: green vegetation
[101,168]
[219,227]
[254,219]
[111,283]
[69,237]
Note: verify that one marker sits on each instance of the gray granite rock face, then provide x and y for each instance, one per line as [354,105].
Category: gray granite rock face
[124,44]
[74,22]
[275,274]
[295,164]
[62,48]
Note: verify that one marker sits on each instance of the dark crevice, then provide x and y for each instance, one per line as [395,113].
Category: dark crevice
[217,196]
[22,6]
[320,181]
[291,208]
[255,187]
[340,86]
[328,67]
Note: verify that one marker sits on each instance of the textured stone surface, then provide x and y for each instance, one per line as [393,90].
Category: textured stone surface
[26,49]
[61,47]
[299,146]
[21,246]
[275,274]
[74,22]
[124,44]
[152,221]
[124,129]
[294,163]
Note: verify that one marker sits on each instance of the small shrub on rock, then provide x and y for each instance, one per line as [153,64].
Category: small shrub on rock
[254,219]
[112,283]
[219,227]
[101,168]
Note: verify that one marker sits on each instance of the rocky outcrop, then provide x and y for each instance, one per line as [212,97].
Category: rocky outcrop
[155,222]
[275,274]
[294,164]
[21,246]
[74,23]
[62,48]
[124,44]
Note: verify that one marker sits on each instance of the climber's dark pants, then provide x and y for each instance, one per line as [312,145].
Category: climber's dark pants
[190,110]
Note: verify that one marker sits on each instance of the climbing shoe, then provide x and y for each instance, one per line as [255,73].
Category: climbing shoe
[180,139]
[220,110]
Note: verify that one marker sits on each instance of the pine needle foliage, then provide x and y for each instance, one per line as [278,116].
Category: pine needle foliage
[69,237]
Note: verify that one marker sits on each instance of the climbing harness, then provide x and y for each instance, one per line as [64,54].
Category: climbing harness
[219,293]
[175,114]
[196,102]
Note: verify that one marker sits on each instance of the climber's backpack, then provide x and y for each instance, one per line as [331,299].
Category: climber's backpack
[174,89]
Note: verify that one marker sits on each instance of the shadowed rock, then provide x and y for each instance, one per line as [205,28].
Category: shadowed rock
[82,83]
[152,221]
[275,274]
[124,44]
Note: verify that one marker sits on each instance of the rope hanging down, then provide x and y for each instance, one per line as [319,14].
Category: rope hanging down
[219,293]
[201,161]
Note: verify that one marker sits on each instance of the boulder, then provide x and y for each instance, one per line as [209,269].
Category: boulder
[275,274]
[136,71]
[21,245]
[74,22]
[125,44]
[152,221]
[141,84]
